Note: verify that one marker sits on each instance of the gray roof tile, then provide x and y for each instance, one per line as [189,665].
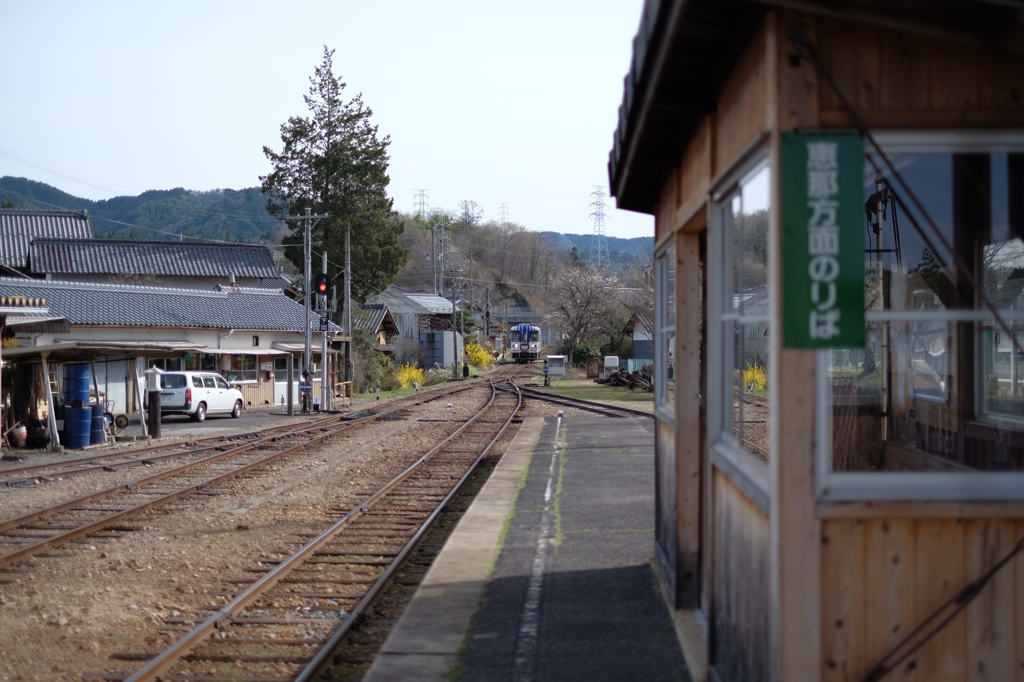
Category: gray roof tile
[139,306]
[19,227]
[168,259]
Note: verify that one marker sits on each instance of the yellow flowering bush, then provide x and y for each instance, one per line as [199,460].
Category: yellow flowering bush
[409,373]
[755,376]
[478,356]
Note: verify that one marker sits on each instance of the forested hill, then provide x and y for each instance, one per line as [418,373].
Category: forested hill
[637,248]
[226,214]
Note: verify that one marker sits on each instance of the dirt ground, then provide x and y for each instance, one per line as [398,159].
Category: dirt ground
[65,615]
[62,616]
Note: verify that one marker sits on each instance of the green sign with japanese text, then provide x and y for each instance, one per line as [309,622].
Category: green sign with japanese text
[822,240]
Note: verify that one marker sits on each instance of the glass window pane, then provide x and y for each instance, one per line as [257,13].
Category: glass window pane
[939,385]
[745,351]
[665,322]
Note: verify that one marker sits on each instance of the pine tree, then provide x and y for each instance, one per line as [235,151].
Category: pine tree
[334,163]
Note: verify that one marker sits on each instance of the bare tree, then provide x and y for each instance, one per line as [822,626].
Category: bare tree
[580,298]
[506,249]
[470,213]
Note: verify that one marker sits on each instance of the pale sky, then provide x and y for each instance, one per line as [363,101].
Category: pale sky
[510,103]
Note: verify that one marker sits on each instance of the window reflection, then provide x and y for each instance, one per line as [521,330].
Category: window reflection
[939,386]
[744,322]
[665,321]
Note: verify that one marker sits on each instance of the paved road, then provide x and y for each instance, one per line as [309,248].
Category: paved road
[179,426]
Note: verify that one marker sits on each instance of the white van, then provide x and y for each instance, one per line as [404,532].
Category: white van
[198,394]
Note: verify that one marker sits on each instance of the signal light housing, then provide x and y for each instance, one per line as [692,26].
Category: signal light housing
[322,284]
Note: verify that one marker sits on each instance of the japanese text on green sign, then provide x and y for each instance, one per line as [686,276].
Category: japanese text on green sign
[822,248]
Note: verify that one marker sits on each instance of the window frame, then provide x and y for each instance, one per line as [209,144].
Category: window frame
[896,486]
[748,472]
[243,374]
[665,316]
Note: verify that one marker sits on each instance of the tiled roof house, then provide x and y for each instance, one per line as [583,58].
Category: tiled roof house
[377,319]
[19,227]
[119,305]
[161,263]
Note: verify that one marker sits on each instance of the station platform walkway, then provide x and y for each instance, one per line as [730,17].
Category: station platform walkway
[549,575]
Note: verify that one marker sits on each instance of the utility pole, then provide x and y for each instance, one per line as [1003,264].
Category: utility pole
[325,392]
[440,259]
[350,369]
[306,246]
[455,329]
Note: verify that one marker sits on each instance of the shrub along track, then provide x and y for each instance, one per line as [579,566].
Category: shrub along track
[286,623]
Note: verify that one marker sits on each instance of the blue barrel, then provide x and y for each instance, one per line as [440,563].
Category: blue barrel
[97,435]
[77,427]
[76,384]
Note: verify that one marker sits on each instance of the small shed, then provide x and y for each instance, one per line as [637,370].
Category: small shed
[556,365]
[377,319]
[640,328]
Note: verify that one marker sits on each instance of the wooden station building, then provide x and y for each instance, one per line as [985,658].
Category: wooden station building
[828,508]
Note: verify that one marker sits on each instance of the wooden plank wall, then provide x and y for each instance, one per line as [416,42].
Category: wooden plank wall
[740,596]
[682,208]
[666,540]
[896,79]
[882,577]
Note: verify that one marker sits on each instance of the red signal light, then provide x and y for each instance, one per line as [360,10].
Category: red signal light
[322,284]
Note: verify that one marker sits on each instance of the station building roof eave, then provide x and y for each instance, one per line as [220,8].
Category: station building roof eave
[72,351]
[38,324]
[684,51]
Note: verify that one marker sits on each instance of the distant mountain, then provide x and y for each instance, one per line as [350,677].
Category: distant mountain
[626,249]
[225,214]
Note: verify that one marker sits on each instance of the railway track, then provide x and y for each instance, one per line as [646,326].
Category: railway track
[286,620]
[755,412]
[23,476]
[110,509]
[588,405]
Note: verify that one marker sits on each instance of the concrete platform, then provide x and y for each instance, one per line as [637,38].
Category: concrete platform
[548,576]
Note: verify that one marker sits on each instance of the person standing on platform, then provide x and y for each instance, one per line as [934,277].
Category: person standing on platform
[305,391]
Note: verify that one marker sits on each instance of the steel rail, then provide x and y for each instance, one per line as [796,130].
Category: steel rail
[166,660]
[320,661]
[104,522]
[127,455]
[215,441]
[580,404]
[101,523]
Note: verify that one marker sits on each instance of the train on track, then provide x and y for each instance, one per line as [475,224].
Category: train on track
[525,342]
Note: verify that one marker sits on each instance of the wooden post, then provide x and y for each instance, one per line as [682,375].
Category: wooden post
[138,397]
[291,383]
[795,547]
[688,420]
